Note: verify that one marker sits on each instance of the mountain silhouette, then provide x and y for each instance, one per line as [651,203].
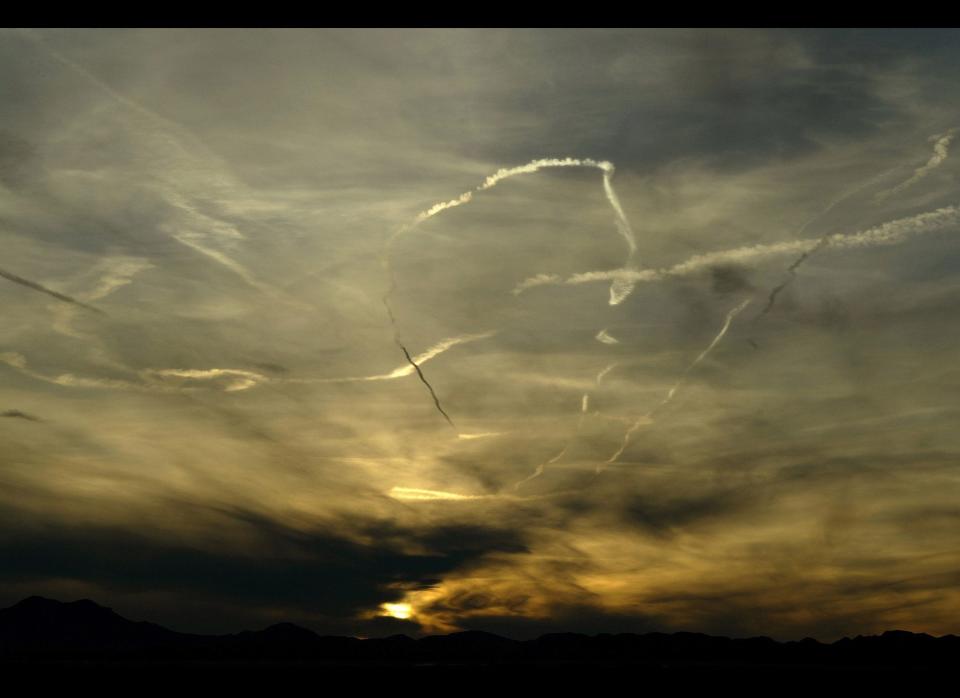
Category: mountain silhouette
[40,630]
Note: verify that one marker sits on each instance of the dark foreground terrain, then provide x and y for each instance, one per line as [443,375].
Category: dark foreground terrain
[50,636]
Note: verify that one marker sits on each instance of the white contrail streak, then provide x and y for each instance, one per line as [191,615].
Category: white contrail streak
[647,418]
[940,151]
[890,233]
[198,227]
[604,337]
[406,369]
[467,436]
[237,379]
[844,196]
[620,287]
[157,379]
[426,495]
[119,272]
[536,165]
[604,372]
[418,494]
[584,409]
[542,466]
[69,380]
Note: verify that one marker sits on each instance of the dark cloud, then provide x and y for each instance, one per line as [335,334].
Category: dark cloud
[316,573]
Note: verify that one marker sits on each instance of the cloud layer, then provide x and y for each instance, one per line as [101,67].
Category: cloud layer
[207,421]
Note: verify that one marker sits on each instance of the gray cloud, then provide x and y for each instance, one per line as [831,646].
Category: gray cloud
[226,197]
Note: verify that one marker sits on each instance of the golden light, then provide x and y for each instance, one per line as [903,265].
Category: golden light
[397,610]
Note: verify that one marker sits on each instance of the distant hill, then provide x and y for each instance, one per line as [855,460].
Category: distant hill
[40,630]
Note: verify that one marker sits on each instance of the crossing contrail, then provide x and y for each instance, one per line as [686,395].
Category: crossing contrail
[619,288]
[890,233]
[792,269]
[423,379]
[584,407]
[647,418]
[406,369]
[197,227]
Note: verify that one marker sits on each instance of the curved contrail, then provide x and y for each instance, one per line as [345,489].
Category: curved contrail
[619,288]
[237,379]
[940,151]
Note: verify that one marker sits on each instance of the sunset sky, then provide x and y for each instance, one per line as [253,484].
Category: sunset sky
[674,335]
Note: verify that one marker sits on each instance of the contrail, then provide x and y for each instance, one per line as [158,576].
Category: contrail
[506,173]
[542,466]
[791,270]
[791,275]
[407,369]
[425,495]
[17,414]
[466,436]
[619,288]
[846,195]
[434,351]
[175,134]
[647,418]
[9,276]
[93,79]
[604,337]
[604,372]
[890,233]
[623,225]
[19,362]
[417,494]
[940,152]
[584,407]
[423,379]
[120,272]
[239,379]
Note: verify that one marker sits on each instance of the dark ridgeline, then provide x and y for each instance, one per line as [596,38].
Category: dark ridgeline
[39,630]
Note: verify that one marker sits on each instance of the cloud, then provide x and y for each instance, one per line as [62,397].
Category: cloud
[229,206]
[323,572]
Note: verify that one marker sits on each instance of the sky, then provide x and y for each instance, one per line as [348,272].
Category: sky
[525,331]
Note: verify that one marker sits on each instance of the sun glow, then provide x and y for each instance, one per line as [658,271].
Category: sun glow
[397,610]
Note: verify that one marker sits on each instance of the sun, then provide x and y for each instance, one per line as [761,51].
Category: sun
[403,611]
